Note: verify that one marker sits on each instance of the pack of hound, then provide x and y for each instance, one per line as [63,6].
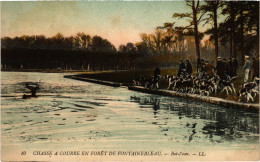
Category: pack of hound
[203,85]
[150,83]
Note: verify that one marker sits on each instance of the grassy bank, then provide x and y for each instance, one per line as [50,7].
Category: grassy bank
[126,77]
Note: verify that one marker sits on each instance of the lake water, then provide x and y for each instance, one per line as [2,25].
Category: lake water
[75,115]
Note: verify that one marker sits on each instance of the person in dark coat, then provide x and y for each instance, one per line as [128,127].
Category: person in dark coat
[209,69]
[234,66]
[220,68]
[182,68]
[230,68]
[226,67]
[156,73]
[255,68]
[188,67]
[198,65]
[202,67]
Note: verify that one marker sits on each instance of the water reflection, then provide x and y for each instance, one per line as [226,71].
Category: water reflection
[225,124]
[92,116]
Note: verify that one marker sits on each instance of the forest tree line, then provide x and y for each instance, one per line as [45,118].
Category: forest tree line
[235,35]
[232,30]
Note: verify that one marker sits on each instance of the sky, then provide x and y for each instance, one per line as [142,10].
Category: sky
[117,21]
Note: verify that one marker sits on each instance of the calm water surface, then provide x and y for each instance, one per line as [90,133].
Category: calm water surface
[81,115]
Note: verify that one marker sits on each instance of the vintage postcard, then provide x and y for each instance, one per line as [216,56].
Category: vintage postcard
[130,81]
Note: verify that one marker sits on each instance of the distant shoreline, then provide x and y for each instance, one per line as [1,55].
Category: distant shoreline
[52,71]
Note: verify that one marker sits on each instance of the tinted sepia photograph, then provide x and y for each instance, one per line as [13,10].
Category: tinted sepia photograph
[130,80]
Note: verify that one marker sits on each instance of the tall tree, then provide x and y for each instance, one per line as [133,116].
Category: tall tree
[131,50]
[253,22]
[83,40]
[194,18]
[141,48]
[174,37]
[41,41]
[58,41]
[157,39]
[241,18]
[230,11]
[211,7]
[242,24]
[122,48]
[68,42]
[99,44]
[6,42]
[147,41]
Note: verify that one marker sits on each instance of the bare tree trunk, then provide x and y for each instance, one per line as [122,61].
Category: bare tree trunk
[117,61]
[216,34]
[232,14]
[242,36]
[230,46]
[197,43]
[131,61]
[257,38]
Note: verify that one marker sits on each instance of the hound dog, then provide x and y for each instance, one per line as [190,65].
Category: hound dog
[228,85]
[213,84]
[136,82]
[177,84]
[170,79]
[204,87]
[152,82]
[187,84]
[249,91]
[255,90]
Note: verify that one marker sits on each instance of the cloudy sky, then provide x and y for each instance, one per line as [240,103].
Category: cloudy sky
[118,21]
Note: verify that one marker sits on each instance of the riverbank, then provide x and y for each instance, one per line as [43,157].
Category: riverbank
[209,99]
[105,79]
[108,83]
[213,100]
[126,77]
